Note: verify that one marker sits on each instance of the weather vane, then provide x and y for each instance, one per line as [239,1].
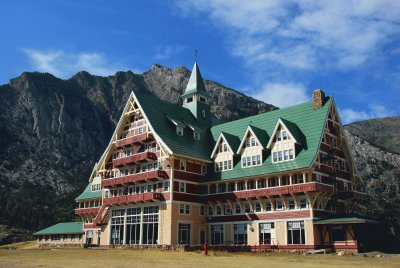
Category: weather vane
[195,54]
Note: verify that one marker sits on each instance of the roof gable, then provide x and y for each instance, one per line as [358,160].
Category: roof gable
[293,129]
[259,134]
[231,140]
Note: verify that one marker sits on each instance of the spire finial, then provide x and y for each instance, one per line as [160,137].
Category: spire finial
[195,54]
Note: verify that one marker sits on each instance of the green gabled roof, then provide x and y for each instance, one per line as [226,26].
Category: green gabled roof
[157,112]
[88,194]
[232,140]
[62,228]
[261,135]
[294,130]
[311,122]
[196,83]
[345,220]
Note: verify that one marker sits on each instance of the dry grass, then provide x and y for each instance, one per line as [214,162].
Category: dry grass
[26,256]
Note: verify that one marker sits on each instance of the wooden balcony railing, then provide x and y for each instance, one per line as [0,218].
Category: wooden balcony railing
[141,157]
[135,198]
[132,140]
[137,177]
[80,211]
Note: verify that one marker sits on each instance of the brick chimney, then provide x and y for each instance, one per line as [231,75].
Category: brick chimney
[318,98]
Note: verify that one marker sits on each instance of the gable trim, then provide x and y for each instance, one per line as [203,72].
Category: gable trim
[279,122]
[221,136]
[244,138]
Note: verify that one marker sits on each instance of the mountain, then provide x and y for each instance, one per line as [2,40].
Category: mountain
[52,131]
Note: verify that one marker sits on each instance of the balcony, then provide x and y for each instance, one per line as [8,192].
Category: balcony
[136,198]
[141,157]
[80,211]
[132,140]
[133,178]
[274,191]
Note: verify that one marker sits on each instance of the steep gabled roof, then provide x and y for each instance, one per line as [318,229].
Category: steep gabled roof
[62,228]
[311,123]
[196,83]
[157,113]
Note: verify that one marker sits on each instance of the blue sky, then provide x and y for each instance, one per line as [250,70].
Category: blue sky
[275,51]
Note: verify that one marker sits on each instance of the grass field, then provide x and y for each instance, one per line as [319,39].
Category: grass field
[26,255]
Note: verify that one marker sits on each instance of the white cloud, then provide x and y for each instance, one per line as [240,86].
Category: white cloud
[282,94]
[302,34]
[349,115]
[168,52]
[63,64]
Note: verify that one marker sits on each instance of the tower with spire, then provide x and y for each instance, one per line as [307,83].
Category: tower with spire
[196,98]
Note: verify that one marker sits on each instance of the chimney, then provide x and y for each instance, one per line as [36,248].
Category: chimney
[318,98]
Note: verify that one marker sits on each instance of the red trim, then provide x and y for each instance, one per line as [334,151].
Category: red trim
[131,140]
[275,191]
[80,211]
[134,158]
[183,175]
[125,199]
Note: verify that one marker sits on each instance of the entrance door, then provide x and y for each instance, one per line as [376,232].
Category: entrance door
[202,236]
[184,233]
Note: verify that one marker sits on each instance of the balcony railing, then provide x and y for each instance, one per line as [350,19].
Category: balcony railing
[141,157]
[80,211]
[135,198]
[274,191]
[137,177]
[132,140]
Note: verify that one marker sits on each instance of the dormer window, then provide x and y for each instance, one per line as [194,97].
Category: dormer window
[202,99]
[203,113]
[179,130]
[190,99]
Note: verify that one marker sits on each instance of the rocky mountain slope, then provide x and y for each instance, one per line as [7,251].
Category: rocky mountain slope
[52,131]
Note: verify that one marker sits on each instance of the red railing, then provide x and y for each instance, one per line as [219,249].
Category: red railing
[131,140]
[80,211]
[135,158]
[155,174]
[125,199]
[275,191]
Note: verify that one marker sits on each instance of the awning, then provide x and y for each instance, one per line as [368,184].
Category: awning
[347,220]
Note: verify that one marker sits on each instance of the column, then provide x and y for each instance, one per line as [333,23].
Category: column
[290,179]
[279,181]
[124,239]
[304,177]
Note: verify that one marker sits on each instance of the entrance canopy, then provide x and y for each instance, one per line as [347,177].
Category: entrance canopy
[344,220]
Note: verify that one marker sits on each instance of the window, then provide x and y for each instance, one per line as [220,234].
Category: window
[278,136]
[133,226]
[166,186]
[291,204]
[203,113]
[179,130]
[202,99]
[202,211]
[190,99]
[150,225]
[196,135]
[117,226]
[73,237]
[296,232]
[182,165]
[279,205]
[237,209]
[228,209]
[184,209]
[158,148]
[65,237]
[258,207]
[210,211]
[303,203]
[284,155]
[217,234]
[203,169]
[247,208]
[240,234]
[184,233]
[248,161]
[268,206]
[265,234]
[55,237]
[96,187]
[284,135]
[223,165]
[182,187]
[140,130]
[219,210]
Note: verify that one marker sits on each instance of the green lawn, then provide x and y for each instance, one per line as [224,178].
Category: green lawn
[27,256]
